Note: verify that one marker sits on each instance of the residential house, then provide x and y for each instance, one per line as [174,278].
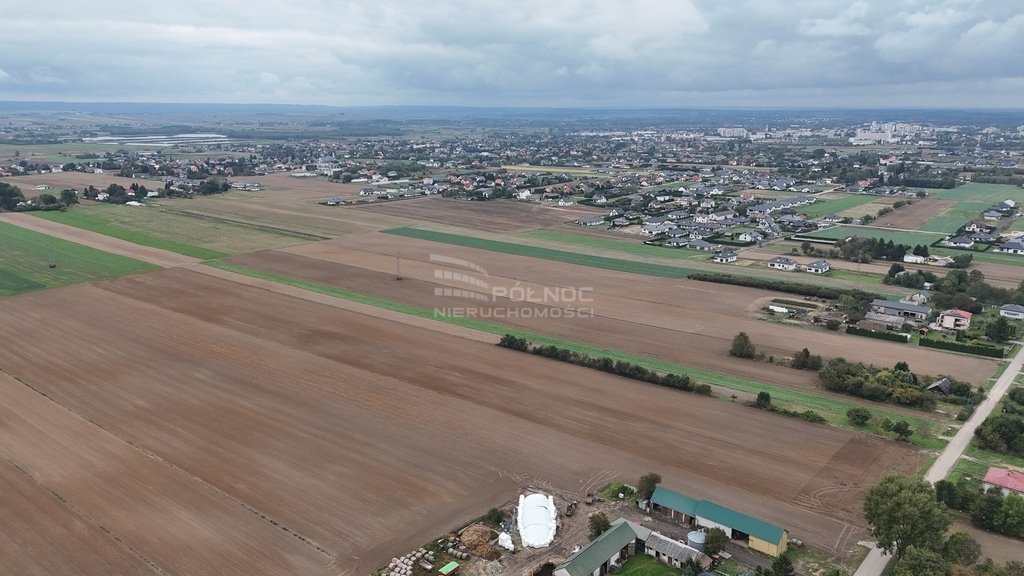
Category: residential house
[782,263]
[955,319]
[831,219]
[701,245]
[900,309]
[1011,247]
[977,226]
[724,257]
[750,236]
[1012,311]
[590,220]
[982,237]
[1005,480]
[992,215]
[677,242]
[600,199]
[620,222]
[913,259]
[818,267]
[565,201]
[960,242]
[917,298]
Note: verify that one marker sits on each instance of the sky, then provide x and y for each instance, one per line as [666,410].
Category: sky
[560,53]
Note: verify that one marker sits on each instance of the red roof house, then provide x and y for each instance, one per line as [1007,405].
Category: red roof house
[1006,480]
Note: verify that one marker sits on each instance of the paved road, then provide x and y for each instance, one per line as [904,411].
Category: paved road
[876,560]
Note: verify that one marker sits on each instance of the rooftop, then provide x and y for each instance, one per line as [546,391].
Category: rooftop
[1004,478]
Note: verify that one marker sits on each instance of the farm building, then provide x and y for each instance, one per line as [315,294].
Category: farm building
[1005,480]
[782,263]
[1014,311]
[754,533]
[672,552]
[819,267]
[900,309]
[607,550]
[955,319]
[913,259]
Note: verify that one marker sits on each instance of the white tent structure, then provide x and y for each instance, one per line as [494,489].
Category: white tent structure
[537,520]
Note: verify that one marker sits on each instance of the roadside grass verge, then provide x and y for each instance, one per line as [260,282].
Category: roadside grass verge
[101,226]
[833,410]
[27,257]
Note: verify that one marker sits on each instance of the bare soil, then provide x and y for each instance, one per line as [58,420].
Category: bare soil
[218,428]
[490,216]
[683,321]
[913,216]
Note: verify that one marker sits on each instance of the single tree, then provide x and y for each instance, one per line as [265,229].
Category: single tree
[783,566]
[599,524]
[1001,330]
[960,548]
[645,487]
[902,512]
[902,430]
[764,400]
[742,347]
[715,540]
[47,199]
[858,416]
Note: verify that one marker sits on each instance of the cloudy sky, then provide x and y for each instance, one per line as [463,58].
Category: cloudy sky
[872,53]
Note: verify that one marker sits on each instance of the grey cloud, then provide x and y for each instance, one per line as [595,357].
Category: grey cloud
[532,52]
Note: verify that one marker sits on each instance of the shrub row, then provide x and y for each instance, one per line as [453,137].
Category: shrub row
[782,286]
[605,364]
[880,335]
[989,351]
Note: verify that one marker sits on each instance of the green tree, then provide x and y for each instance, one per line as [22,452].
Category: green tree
[742,347]
[903,512]
[902,430]
[858,416]
[1001,330]
[645,487]
[801,359]
[1011,515]
[599,524]
[988,511]
[764,400]
[10,196]
[68,196]
[960,548]
[783,566]
[715,541]
[920,562]
[47,199]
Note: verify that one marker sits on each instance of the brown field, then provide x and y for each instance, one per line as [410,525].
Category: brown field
[871,208]
[913,216]
[77,180]
[682,321]
[214,428]
[490,216]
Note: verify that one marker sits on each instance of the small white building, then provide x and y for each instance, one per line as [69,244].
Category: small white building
[1012,311]
[819,267]
[724,257]
[782,263]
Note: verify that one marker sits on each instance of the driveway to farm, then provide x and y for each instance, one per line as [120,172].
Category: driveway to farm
[160,257]
[876,560]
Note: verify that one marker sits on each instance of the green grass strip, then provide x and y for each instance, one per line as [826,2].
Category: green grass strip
[833,410]
[101,226]
[645,268]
